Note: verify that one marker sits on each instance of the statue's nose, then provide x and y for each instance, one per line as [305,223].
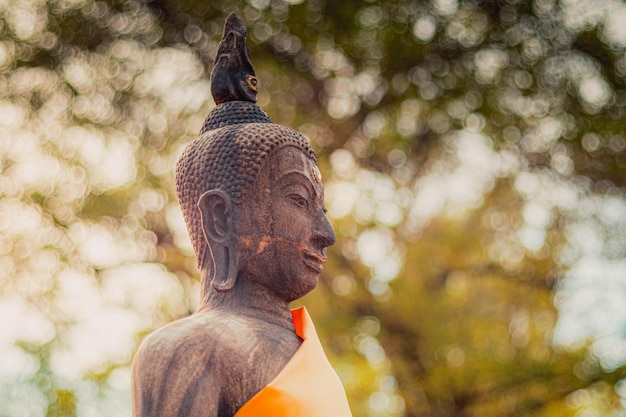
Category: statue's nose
[324,235]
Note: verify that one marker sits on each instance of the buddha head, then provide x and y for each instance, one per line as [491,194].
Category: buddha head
[250,190]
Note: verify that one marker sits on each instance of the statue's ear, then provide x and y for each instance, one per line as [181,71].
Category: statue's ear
[215,208]
[217,225]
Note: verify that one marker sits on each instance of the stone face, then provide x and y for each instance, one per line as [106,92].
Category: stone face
[253,201]
[229,159]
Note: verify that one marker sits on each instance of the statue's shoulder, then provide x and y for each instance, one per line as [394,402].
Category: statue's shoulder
[182,366]
[203,335]
[216,357]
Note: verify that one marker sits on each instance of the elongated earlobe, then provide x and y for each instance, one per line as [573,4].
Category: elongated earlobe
[225,278]
[215,212]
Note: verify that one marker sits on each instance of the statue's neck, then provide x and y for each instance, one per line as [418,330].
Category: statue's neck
[252,300]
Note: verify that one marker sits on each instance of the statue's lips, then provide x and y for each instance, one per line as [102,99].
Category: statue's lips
[314,260]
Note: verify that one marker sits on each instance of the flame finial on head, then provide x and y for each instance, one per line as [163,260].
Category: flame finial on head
[232,76]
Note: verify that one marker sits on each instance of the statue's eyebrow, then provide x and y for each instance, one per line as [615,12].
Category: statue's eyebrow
[290,174]
[308,183]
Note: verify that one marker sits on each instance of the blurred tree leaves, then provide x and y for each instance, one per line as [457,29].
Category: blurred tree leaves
[473,154]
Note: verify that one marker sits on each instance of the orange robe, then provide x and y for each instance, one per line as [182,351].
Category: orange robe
[306,387]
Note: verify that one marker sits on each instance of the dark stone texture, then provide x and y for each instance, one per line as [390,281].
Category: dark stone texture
[253,201]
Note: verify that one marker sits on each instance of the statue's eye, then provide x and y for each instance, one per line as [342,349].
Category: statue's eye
[299,200]
[251,82]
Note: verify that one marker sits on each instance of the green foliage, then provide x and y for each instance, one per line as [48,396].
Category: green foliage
[63,406]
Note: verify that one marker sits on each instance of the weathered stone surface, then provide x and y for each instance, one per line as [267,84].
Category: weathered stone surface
[253,201]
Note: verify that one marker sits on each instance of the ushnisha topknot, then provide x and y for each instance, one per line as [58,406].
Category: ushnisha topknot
[235,140]
[232,113]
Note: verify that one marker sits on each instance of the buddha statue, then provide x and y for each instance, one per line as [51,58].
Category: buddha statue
[253,201]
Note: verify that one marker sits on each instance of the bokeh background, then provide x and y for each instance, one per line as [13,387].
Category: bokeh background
[474,158]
